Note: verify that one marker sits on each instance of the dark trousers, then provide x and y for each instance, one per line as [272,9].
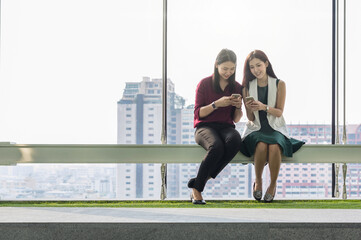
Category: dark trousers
[222,143]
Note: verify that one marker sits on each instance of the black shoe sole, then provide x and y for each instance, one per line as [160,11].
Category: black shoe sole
[200,202]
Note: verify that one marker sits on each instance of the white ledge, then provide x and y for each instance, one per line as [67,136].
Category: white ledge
[12,154]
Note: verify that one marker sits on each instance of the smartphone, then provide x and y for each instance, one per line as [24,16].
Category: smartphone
[250,98]
[235,95]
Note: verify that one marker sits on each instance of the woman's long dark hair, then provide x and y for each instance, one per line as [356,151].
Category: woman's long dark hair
[224,55]
[247,75]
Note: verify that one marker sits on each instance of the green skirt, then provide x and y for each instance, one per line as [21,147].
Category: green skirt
[288,146]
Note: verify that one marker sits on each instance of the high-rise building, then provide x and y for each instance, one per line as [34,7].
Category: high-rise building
[140,122]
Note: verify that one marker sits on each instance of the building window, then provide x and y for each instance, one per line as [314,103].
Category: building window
[303,131]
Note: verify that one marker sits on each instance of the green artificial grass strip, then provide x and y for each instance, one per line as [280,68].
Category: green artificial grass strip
[290,204]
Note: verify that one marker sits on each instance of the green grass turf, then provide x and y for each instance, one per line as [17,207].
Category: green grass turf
[314,204]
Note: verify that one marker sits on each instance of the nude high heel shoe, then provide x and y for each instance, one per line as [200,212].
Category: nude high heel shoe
[269,197]
[257,194]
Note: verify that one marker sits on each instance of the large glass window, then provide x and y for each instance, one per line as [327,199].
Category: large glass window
[83,72]
[76,72]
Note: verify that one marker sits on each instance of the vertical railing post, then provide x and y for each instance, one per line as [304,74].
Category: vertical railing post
[334,78]
[163,194]
[344,135]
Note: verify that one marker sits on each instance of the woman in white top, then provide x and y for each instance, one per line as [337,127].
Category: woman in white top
[265,136]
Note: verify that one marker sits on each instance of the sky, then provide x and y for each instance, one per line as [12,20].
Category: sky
[64,63]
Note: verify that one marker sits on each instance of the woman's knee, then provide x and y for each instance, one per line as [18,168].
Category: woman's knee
[217,148]
[234,139]
[261,147]
[274,149]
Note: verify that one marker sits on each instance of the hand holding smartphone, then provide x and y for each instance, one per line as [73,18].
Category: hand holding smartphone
[249,98]
[235,95]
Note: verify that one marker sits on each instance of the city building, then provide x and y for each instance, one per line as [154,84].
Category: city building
[140,122]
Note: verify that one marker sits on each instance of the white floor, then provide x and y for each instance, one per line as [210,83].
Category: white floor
[132,215]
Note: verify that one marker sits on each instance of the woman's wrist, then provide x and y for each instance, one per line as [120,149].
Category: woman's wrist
[214,106]
[267,108]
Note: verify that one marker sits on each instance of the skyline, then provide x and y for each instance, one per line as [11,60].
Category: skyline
[142,181]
